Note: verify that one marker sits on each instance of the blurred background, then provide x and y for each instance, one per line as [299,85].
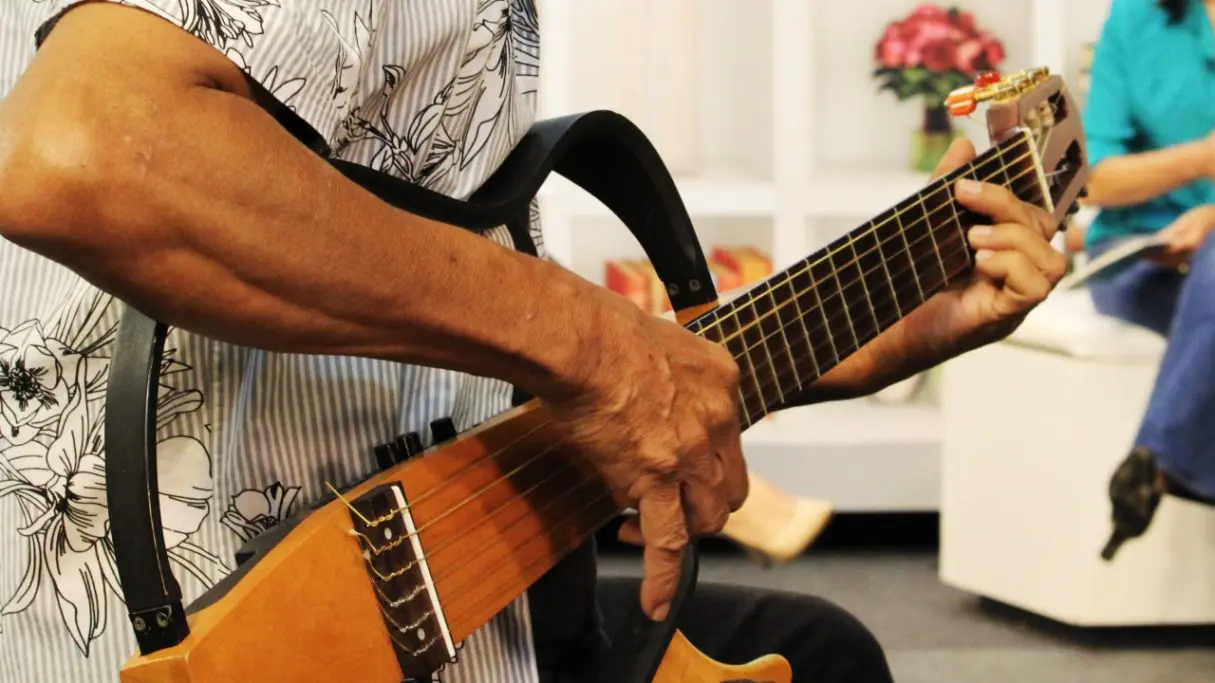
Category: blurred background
[969,502]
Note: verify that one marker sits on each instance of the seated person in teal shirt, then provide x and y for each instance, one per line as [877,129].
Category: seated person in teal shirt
[1149,120]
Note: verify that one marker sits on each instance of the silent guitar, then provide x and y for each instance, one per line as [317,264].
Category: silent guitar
[383,580]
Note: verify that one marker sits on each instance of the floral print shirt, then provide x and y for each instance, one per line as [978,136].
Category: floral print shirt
[436,92]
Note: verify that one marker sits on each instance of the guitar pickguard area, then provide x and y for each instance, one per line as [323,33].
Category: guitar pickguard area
[397,568]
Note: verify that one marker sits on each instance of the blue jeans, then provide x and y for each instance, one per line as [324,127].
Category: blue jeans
[1179,426]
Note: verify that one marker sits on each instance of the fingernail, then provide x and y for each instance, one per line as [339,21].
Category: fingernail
[968,186]
[983,254]
[980,231]
[660,612]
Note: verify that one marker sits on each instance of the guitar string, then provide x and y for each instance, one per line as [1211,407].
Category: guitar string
[766,360]
[926,193]
[379,549]
[738,306]
[553,472]
[612,513]
[429,492]
[455,614]
[852,262]
[914,261]
[436,551]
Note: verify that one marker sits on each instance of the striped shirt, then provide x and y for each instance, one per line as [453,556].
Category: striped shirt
[435,92]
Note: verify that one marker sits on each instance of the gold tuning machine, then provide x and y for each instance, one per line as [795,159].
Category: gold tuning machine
[990,86]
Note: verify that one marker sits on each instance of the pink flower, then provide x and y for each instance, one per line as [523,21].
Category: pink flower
[993,51]
[929,11]
[891,52]
[940,55]
[969,55]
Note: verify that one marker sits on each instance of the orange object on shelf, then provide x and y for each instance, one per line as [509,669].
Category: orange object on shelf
[725,278]
[630,281]
[751,264]
[659,301]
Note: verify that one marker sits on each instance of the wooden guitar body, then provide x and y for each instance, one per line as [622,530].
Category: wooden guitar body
[304,607]
[384,580]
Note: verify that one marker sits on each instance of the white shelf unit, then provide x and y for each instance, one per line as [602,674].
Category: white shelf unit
[768,113]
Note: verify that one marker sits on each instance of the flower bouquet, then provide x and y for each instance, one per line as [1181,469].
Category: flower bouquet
[928,54]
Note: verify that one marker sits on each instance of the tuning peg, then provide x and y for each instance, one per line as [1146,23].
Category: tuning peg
[961,102]
[1083,191]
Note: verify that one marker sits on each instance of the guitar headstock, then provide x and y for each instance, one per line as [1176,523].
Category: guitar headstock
[1037,102]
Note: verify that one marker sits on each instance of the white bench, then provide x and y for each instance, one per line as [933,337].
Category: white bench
[1033,428]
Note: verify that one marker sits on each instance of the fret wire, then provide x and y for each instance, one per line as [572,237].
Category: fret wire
[821,302]
[801,319]
[758,320]
[951,275]
[827,321]
[935,247]
[840,287]
[812,349]
[746,355]
[781,327]
[864,285]
[802,269]
[946,180]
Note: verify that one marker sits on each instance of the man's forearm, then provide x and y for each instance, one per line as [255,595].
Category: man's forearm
[889,358]
[1135,178]
[196,207]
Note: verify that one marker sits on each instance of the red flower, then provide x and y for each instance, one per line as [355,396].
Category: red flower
[993,51]
[929,11]
[938,40]
[940,55]
[970,56]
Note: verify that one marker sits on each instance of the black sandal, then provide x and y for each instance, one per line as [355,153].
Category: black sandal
[1135,492]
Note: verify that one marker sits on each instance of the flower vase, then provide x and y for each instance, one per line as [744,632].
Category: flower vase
[932,140]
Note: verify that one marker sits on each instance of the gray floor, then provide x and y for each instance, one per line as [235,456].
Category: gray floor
[934,634]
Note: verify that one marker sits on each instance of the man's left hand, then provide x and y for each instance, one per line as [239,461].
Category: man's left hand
[1015,268]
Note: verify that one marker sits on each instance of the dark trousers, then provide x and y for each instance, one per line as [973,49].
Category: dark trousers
[734,625]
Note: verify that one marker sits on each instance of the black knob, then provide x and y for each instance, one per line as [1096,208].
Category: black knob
[442,429]
[384,456]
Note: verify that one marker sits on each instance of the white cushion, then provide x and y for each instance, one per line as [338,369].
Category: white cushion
[1069,324]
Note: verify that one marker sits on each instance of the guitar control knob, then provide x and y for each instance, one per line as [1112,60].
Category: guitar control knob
[442,429]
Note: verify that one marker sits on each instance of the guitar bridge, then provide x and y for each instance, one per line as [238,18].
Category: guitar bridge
[404,587]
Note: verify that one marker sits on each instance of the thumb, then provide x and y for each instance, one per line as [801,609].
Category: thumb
[960,152]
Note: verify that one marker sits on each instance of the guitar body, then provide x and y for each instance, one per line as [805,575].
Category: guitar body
[305,587]
[683,663]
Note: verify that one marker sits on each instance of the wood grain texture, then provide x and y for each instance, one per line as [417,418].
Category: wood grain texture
[683,663]
[495,509]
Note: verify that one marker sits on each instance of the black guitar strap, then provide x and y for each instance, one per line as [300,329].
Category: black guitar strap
[600,151]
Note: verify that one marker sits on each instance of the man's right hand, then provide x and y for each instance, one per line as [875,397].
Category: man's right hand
[659,417]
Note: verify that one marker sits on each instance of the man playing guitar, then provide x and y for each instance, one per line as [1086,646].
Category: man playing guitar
[139,164]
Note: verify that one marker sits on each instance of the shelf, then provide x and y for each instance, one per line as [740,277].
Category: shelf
[848,422]
[860,455]
[860,193]
[720,195]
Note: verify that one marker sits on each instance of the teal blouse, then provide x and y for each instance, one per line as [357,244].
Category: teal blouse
[1152,86]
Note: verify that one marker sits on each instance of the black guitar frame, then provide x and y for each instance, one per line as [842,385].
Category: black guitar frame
[600,151]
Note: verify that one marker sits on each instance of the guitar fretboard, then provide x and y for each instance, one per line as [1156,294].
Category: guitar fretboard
[795,326]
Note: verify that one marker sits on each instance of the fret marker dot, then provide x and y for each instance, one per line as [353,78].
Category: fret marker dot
[421,634]
[388,534]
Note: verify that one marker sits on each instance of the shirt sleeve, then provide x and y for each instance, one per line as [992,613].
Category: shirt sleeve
[286,47]
[1108,123]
